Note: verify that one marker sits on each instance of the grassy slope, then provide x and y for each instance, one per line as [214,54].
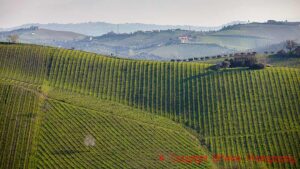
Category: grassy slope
[253,35]
[235,42]
[182,51]
[236,112]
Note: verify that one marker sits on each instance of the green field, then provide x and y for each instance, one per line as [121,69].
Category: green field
[233,112]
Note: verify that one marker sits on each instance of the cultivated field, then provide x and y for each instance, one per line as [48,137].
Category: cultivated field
[235,112]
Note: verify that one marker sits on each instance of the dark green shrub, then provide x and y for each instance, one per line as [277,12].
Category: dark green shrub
[257,66]
[225,64]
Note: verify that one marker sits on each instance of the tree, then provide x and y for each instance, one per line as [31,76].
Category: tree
[250,60]
[281,53]
[225,64]
[242,61]
[13,38]
[290,45]
[297,51]
[257,66]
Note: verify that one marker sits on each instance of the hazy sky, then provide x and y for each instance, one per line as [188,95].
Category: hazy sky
[175,12]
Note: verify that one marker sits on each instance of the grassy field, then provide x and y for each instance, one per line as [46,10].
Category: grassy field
[235,112]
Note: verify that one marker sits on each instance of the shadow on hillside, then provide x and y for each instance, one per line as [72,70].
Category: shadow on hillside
[67,152]
[213,72]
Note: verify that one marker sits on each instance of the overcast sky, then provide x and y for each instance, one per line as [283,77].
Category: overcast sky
[174,12]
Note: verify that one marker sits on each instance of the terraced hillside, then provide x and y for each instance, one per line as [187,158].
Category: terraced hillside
[236,112]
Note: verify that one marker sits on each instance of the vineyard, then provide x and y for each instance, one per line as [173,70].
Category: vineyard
[234,112]
[18,112]
[125,137]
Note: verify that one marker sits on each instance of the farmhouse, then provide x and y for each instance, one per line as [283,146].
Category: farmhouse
[183,39]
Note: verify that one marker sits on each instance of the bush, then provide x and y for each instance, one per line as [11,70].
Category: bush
[281,53]
[294,53]
[243,61]
[239,61]
[297,51]
[257,66]
[225,64]
[13,38]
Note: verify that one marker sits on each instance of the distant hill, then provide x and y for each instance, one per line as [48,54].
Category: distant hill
[100,28]
[41,36]
[171,43]
[153,45]
[167,44]
[254,35]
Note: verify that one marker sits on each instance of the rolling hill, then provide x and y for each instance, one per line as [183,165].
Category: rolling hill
[42,36]
[234,112]
[48,129]
[101,28]
[254,35]
[164,44]
[155,45]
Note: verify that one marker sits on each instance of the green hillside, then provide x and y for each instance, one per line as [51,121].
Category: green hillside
[48,131]
[236,112]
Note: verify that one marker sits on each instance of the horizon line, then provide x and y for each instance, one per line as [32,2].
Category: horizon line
[123,23]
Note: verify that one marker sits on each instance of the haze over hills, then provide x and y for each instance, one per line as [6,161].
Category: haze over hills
[100,28]
[165,44]
[37,35]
